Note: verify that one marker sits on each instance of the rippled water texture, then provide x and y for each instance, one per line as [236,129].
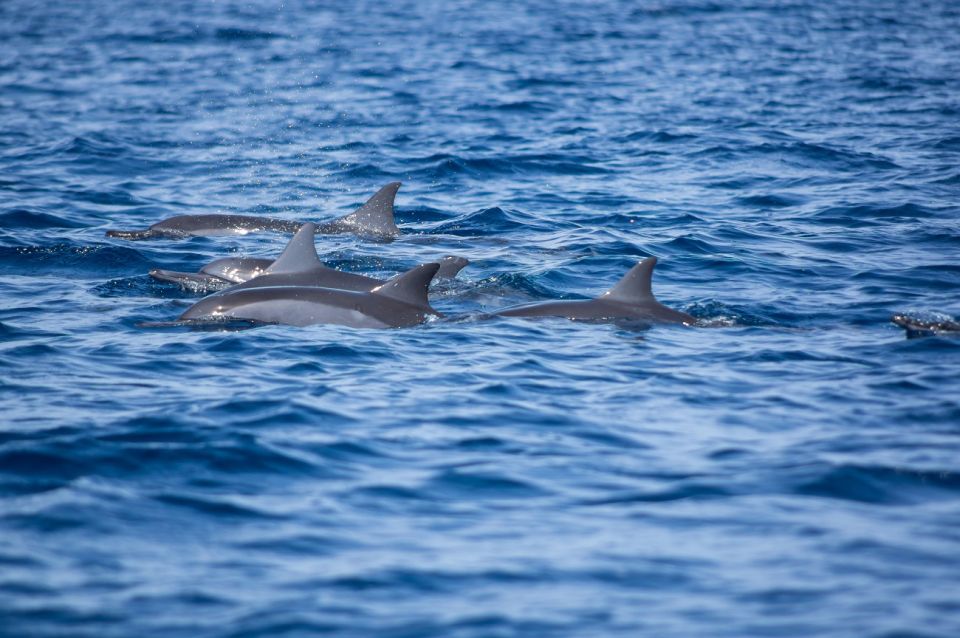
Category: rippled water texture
[789,468]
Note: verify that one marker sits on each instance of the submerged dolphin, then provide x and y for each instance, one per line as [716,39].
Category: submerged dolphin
[631,299]
[400,302]
[375,218]
[298,265]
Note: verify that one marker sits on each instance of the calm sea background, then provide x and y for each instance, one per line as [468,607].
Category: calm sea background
[790,468]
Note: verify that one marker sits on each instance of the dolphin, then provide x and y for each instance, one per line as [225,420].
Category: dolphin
[631,299]
[398,303]
[219,273]
[941,326]
[373,219]
[298,265]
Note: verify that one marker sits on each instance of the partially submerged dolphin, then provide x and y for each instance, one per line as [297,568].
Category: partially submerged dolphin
[397,303]
[940,326]
[298,265]
[219,273]
[631,299]
[374,218]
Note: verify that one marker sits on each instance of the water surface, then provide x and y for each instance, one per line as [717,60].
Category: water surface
[791,468]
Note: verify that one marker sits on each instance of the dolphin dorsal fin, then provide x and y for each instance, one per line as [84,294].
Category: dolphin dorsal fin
[411,286]
[451,265]
[376,216]
[635,285]
[299,255]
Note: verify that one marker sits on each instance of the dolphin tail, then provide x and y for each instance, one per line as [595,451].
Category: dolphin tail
[450,266]
[410,287]
[373,218]
[300,253]
[133,235]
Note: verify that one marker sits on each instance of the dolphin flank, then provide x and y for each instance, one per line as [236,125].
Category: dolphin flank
[373,219]
[631,299]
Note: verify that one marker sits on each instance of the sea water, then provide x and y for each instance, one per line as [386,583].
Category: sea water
[790,466]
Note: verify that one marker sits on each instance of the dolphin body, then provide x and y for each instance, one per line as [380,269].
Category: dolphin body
[298,265]
[927,327]
[630,300]
[217,274]
[398,303]
[373,219]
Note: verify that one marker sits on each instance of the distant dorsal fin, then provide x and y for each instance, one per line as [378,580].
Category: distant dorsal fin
[411,286]
[299,255]
[451,265]
[635,285]
[376,216]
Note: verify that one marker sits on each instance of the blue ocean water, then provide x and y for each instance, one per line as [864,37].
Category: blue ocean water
[788,468]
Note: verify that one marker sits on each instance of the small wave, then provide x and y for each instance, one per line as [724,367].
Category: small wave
[883,485]
[10,332]
[218,508]
[480,222]
[803,154]
[70,258]
[692,244]
[475,485]
[531,107]
[690,491]
[302,545]
[851,214]
[446,166]
[22,218]
[681,9]
[238,34]
[95,145]
[509,284]
[769,201]
[658,137]
[716,314]
[540,82]
[146,286]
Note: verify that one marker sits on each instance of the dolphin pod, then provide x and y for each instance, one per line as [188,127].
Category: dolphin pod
[298,265]
[297,289]
[373,219]
[402,301]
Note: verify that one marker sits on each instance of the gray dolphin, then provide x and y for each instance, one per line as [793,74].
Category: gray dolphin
[298,265]
[631,299]
[374,218]
[400,302]
[219,273]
